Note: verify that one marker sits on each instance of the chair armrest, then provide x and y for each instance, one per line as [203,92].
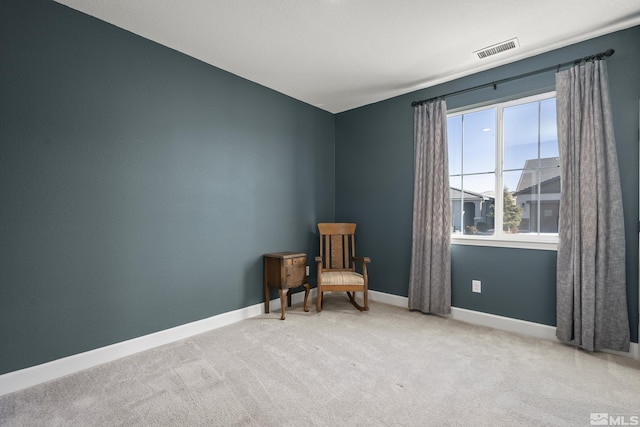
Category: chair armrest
[364,260]
[319,274]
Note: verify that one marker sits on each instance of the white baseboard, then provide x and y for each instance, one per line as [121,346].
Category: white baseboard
[537,330]
[508,324]
[28,377]
[390,299]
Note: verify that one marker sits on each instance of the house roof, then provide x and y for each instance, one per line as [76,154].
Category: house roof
[456,193]
[549,170]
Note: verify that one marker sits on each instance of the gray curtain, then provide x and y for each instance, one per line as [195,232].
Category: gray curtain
[430,275]
[591,283]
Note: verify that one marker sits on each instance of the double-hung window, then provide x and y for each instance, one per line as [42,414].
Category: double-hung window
[504,173]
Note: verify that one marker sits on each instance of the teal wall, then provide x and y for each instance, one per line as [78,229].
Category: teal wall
[140,187]
[374,185]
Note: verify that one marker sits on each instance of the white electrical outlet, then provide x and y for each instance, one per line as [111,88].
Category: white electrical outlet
[476,286]
[307,270]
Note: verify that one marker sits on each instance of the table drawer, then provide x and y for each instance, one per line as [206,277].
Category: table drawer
[295,261]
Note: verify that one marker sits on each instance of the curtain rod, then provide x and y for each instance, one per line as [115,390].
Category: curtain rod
[597,56]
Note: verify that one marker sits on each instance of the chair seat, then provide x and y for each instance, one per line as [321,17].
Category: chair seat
[341,278]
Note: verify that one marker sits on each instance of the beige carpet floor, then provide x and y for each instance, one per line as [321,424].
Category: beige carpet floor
[340,367]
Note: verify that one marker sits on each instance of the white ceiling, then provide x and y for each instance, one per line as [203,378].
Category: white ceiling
[342,54]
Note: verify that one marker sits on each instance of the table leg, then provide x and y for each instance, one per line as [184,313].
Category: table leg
[266,299]
[282,300]
[307,288]
[266,286]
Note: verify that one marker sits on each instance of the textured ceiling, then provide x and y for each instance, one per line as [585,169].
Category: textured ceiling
[342,54]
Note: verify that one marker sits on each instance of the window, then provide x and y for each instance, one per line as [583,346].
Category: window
[504,173]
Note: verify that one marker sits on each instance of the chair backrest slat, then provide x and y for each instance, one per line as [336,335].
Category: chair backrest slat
[337,252]
[345,252]
[327,250]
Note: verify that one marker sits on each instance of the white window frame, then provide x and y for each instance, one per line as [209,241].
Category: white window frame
[501,239]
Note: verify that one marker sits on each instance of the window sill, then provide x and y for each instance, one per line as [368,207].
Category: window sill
[544,243]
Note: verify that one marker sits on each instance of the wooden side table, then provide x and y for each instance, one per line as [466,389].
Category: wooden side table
[285,270]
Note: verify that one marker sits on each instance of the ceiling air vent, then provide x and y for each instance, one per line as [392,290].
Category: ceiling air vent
[497,48]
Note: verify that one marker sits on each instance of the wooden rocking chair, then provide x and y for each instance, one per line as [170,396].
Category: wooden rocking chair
[337,264]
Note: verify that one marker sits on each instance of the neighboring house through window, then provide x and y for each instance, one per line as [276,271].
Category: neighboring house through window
[539,196]
[504,173]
